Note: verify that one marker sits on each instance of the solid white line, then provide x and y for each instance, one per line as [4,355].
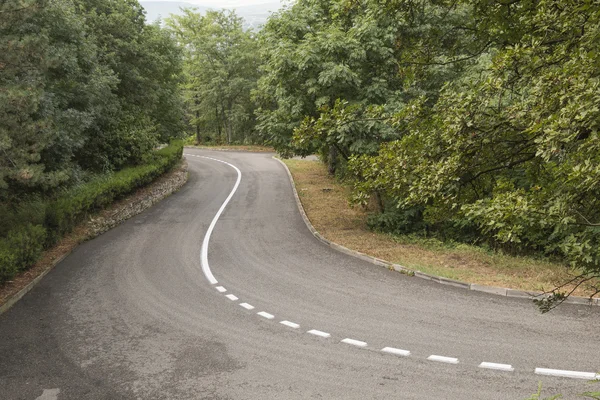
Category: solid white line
[266,315]
[398,352]
[319,333]
[448,360]
[354,342]
[567,374]
[290,324]
[247,306]
[221,289]
[499,367]
[231,297]
[204,251]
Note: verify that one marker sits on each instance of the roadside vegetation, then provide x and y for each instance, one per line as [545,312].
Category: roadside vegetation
[88,91]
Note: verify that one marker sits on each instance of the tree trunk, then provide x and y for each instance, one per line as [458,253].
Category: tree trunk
[332,160]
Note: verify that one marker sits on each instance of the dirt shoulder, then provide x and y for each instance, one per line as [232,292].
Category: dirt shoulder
[95,225]
[326,204]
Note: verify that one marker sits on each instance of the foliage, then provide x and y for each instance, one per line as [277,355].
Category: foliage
[85,86]
[220,70]
[333,70]
[29,233]
[514,149]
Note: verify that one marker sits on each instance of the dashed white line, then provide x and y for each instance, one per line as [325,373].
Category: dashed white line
[247,306]
[398,352]
[231,297]
[496,366]
[447,360]
[354,342]
[221,289]
[290,324]
[568,374]
[319,333]
[266,315]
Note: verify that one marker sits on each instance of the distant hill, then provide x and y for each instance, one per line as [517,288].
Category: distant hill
[254,15]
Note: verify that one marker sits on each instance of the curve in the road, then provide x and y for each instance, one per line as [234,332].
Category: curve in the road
[353,342]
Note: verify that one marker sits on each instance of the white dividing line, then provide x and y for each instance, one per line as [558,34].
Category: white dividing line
[266,315]
[290,324]
[247,306]
[221,289]
[568,374]
[447,360]
[319,333]
[231,297]
[204,249]
[397,352]
[499,367]
[354,342]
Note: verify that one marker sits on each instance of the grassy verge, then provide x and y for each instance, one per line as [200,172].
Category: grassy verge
[325,202]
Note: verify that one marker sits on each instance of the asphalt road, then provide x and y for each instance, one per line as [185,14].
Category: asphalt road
[130,314]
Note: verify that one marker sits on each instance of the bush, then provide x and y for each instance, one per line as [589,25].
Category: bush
[20,249]
[23,244]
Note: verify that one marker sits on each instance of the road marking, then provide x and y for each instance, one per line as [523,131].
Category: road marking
[398,352]
[290,324]
[568,374]
[448,360]
[247,306]
[319,333]
[204,250]
[354,342]
[499,367]
[266,315]
[49,394]
[221,289]
[231,297]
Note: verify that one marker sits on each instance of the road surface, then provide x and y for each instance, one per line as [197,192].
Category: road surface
[131,314]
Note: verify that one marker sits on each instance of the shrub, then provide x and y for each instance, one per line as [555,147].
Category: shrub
[20,249]
[22,245]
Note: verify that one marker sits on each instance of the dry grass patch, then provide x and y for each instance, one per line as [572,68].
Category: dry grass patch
[326,204]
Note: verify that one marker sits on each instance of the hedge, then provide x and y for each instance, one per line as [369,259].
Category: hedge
[21,246]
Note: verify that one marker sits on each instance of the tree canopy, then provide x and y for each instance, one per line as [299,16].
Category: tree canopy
[221,70]
[85,86]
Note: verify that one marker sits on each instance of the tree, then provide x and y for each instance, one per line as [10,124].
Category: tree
[220,73]
[510,150]
[85,87]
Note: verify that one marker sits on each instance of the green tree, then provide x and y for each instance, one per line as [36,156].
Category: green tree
[221,69]
[51,86]
[510,150]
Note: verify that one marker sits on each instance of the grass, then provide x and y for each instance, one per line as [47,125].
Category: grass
[326,203]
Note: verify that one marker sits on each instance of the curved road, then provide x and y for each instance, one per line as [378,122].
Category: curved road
[130,314]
